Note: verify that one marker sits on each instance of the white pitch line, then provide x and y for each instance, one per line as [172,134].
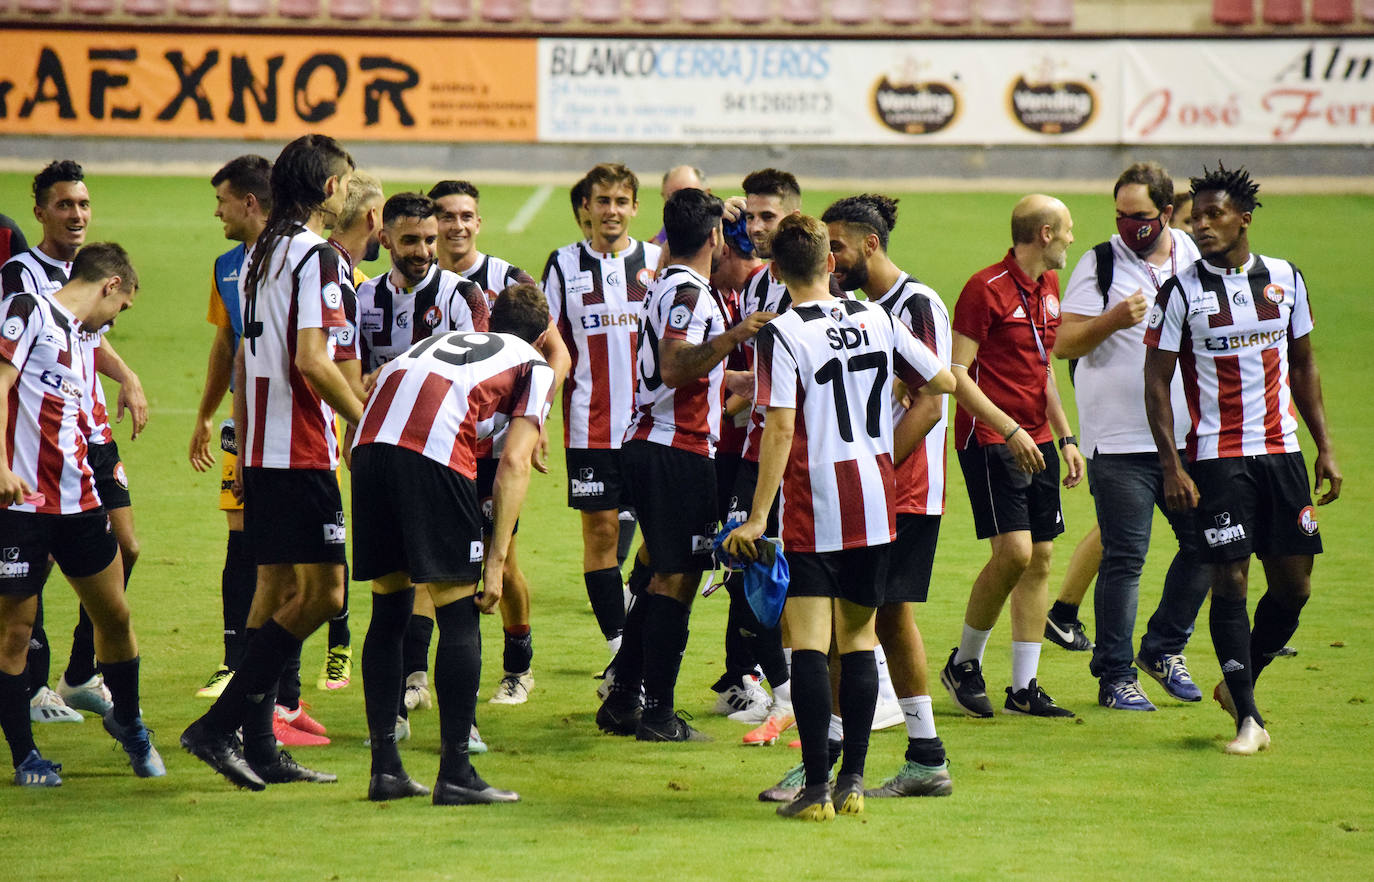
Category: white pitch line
[529,209]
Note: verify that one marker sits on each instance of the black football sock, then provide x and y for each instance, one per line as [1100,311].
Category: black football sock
[811,704]
[926,751]
[383,677]
[1275,624]
[457,674]
[739,660]
[625,541]
[81,660]
[121,678]
[628,666]
[1064,612]
[237,583]
[519,649]
[40,653]
[415,650]
[608,600]
[765,644]
[858,696]
[339,633]
[665,639]
[259,740]
[268,650]
[289,683]
[640,575]
[14,716]
[1230,626]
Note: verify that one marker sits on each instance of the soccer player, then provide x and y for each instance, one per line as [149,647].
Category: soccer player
[667,461]
[62,205]
[1103,327]
[51,505]
[1241,323]
[12,239]
[595,290]
[291,389]
[418,523]
[1004,328]
[824,372]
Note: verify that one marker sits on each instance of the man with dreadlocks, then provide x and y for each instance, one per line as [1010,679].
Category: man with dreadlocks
[1241,325]
[289,389]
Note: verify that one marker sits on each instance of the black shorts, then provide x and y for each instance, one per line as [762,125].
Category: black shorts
[82,544]
[911,558]
[413,515]
[858,575]
[595,479]
[742,498]
[1005,499]
[674,496]
[293,516]
[1254,505]
[486,480]
[110,480]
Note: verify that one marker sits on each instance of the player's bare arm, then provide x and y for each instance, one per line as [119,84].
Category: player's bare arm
[1059,423]
[1179,490]
[508,495]
[774,448]
[1080,334]
[324,376]
[963,351]
[681,362]
[108,362]
[923,412]
[13,488]
[1306,383]
[550,345]
[219,367]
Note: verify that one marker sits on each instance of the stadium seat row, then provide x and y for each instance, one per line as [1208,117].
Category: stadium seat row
[1290,12]
[943,12]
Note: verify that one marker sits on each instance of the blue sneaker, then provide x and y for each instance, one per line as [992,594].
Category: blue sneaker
[1172,673]
[1123,695]
[35,771]
[137,743]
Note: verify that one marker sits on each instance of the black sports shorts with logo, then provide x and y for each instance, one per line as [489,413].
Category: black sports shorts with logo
[111,482]
[82,544]
[858,575]
[674,496]
[293,516]
[1254,505]
[595,479]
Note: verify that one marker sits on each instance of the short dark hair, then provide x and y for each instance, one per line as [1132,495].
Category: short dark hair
[1156,180]
[868,212]
[772,182]
[1235,183]
[55,172]
[453,188]
[799,248]
[416,205]
[612,174]
[100,260]
[247,174]
[520,310]
[579,193]
[689,216]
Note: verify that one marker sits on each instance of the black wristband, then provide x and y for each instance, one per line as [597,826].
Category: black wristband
[1007,437]
[1068,439]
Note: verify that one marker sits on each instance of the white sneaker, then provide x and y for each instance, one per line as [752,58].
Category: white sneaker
[745,703]
[514,689]
[1249,740]
[417,695]
[47,706]
[91,696]
[888,714]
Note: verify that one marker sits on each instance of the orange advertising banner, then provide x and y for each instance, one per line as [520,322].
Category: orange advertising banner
[267,86]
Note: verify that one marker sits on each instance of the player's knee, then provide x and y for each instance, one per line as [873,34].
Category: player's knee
[14,646]
[1229,582]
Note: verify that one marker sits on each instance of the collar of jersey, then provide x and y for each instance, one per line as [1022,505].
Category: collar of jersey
[433,267]
[1228,271]
[610,255]
[64,265]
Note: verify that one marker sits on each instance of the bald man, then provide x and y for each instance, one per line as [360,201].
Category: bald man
[1003,332]
[679,177]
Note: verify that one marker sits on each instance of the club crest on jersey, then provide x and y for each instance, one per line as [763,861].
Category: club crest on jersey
[14,326]
[120,477]
[1240,298]
[836,314]
[613,278]
[1052,305]
[679,316]
[402,319]
[1274,293]
[644,276]
[432,316]
[332,295]
[1307,520]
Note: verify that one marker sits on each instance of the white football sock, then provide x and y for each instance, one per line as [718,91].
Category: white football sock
[972,643]
[1025,659]
[920,720]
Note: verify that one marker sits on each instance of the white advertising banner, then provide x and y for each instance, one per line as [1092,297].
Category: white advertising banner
[828,92]
[1240,91]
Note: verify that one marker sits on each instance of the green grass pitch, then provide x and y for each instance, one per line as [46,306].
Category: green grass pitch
[1106,796]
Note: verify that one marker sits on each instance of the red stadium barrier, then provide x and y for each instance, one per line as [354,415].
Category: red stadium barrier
[700,11]
[450,10]
[801,11]
[249,8]
[501,10]
[951,12]
[651,11]
[902,12]
[91,7]
[1053,13]
[298,8]
[1233,12]
[851,12]
[751,11]
[1335,12]
[400,10]
[551,11]
[1001,12]
[1282,12]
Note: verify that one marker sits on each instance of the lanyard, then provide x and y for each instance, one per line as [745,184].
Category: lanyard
[1173,265]
[1035,332]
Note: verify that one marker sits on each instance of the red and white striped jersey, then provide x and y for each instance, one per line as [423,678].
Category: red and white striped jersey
[444,394]
[833,363]
[734,429]
[47,406]
[596,301]
[289,425]
[1231,329]
[680,306]
[35,271]
[494,275]
[393,319]
[921,476]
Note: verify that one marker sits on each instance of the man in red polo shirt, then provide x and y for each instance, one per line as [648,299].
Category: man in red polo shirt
[1004,328]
